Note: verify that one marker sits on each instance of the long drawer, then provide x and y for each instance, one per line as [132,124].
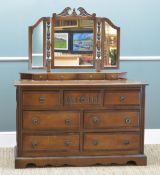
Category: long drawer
[111,141]
[111,119]
[65,142]
[41,99]
[45,120]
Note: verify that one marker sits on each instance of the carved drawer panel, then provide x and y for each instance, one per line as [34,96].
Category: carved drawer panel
[41,99]
[111,141]
[122,98]
[39,120]
[111,119]
[64,142]
[83,98]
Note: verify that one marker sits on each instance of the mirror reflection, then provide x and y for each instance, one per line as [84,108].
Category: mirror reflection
[110,46]
[73,42]
[37,45]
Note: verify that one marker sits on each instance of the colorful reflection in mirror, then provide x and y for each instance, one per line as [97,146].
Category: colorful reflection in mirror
[110,46]
[73,42]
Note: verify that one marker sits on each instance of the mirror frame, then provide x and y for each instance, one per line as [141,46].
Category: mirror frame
[48,39]
[30,32]
[102,43]
[65,15]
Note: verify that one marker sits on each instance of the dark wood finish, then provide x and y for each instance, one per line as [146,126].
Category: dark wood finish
[107,141]
[79,122]
[51,120]
[73,76]
[111,119]
[122,97]
[67,142]
[42,99]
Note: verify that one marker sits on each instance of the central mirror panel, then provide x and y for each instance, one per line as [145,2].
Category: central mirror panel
[73,42]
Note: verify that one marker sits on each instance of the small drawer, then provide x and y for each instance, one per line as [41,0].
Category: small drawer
[122,98]
[39,120]
[91,76]
[39,76]
[61,76]
[111,119]
[83,98]
[66,142]
[111,141]
[41,99]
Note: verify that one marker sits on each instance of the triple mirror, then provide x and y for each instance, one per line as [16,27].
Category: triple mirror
[74,39]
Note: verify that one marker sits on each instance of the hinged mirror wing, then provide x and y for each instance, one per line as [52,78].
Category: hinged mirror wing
[73,39]
[37,43]
[110,44]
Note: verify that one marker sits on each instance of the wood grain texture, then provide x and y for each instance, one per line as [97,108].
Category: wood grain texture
[80,122]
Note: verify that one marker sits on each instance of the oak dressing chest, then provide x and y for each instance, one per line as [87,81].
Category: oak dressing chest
[78,118]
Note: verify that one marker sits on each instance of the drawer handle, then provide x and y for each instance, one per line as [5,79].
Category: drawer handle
[126,142]
[67,121]
[95,120]
[127,120]
[34,144]
[95,142]
[35,121]
[67,143]
[82,99]
[122,98]
[41,99]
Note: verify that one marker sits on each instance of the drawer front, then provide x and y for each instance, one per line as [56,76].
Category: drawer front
[66,142]
[51,120]
[83,98]
[122,98]
[62,76]
[41,99]
[92,76]
[113,119]
[109,141]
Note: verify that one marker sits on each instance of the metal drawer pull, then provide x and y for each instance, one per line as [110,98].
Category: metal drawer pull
[127,120]
[35,121]
[41,99]
[95,120]
[122,98]
[67,121]
[67,143]
[95,142]
[126,142]
[34,144]
[82,99]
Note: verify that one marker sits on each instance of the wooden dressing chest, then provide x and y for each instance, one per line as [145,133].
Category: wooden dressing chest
[79,122]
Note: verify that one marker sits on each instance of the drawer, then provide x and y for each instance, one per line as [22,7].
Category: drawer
[66,142]
[62,76]
[39,76]
[83,98]
[111,141]
[91,76]
[42,99]
[39,120]
[122,98]
[111,119]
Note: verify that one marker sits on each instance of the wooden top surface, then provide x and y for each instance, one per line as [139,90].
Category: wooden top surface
[78,83]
